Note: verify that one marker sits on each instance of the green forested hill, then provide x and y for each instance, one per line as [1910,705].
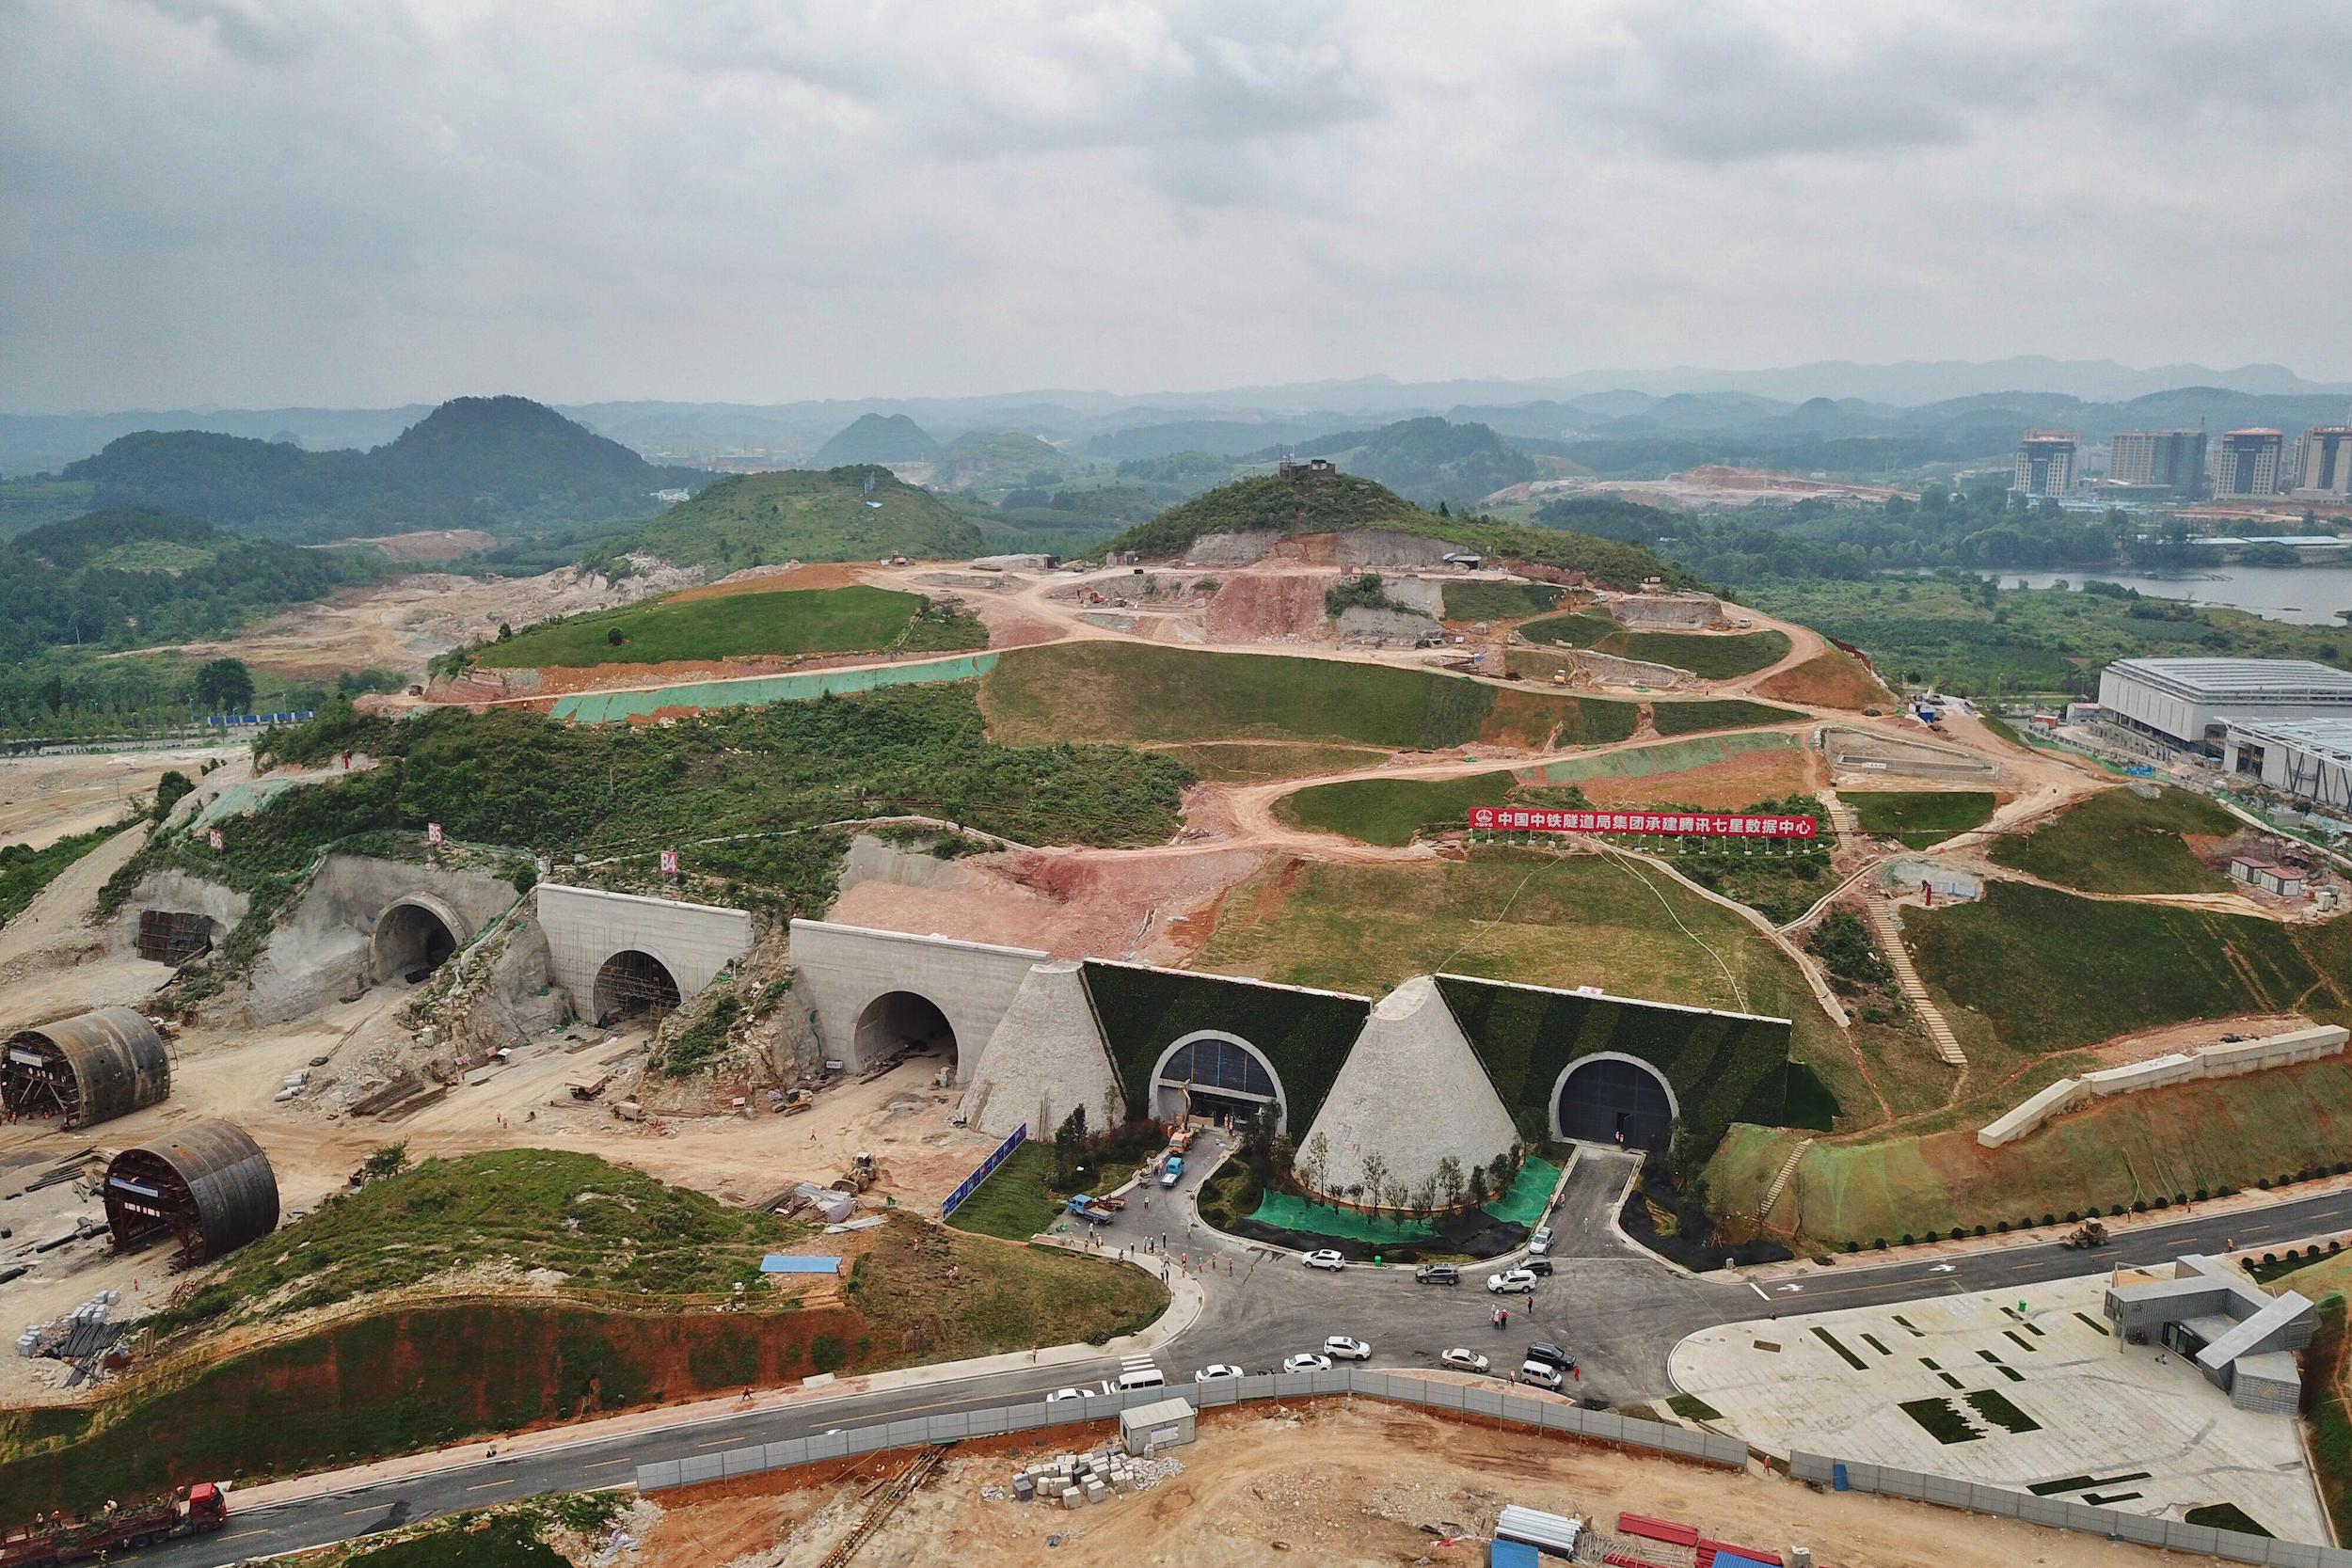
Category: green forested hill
[878,438]
[808,514]
[504,464]
[132,577]
[1338,502]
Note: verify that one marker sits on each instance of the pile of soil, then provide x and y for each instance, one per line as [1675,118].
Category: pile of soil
[1260,607]
[1688,1245]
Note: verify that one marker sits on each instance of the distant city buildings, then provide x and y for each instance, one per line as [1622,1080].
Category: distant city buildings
[2249,463]
[2170,460]
[2046,464]
[2324,466]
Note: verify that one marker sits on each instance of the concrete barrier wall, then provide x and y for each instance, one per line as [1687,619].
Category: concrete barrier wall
[1496,1401]
[2220,1061]
[587,925]
[2059,1513]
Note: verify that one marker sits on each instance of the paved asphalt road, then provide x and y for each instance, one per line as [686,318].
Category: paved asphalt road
[1620,1310]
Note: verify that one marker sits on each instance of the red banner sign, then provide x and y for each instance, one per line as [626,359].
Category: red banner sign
[669,863]
[433,832]
[1530,820]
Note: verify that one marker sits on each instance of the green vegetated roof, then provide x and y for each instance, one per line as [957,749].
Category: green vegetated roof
[1724,1067]
[1305,1034]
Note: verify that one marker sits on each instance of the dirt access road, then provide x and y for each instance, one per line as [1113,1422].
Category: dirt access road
[1334,1485]
[44,799]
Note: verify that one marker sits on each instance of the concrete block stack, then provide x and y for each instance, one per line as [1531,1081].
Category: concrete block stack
[1078,1480]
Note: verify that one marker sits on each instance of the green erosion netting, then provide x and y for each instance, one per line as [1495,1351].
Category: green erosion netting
[1523,1205]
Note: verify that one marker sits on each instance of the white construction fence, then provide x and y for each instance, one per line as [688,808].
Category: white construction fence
[1597,1426]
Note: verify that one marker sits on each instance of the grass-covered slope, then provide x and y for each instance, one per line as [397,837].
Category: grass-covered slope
[2116,841]
[1392,811]
[2047,971]
[603,1227]
[807,621]
[1919,817]
[24,870]
[1498,601]
[1710,658]
[808,514]
[1145,692]
[1339,502]
[1723,1069]
[877,438]
[1305,1035]
[1723,713]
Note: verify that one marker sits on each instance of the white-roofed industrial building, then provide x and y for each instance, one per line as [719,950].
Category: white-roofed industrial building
[2188,703]
[2310,759]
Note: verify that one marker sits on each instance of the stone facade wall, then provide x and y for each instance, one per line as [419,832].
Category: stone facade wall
[1412,1092]
[587,925]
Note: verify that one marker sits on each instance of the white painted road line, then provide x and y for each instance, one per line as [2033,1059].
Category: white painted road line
[484,1486]
[1757,1289]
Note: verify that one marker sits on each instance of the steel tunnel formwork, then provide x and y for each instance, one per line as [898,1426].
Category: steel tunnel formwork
[208,1184]
[84,1069]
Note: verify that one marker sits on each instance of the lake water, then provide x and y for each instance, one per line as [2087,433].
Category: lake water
[2309,594]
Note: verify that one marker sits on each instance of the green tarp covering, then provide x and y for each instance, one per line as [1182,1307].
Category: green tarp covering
[605,707]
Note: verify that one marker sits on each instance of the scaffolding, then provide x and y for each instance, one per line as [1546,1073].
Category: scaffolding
[631,983]
[84,1069]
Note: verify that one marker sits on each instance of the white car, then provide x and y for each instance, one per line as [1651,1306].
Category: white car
[1326,1259]
[1346,1349]
[1061,1394]
[1307,1363]
[1539,1244]
[1520,1280]
[1465,1360]
[1217,1370]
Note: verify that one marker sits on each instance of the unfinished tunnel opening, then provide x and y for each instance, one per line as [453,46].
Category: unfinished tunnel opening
[633,984]
[411,941]
[902,1021]
[173,935]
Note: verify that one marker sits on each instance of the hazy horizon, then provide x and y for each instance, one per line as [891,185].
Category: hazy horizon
[265,203]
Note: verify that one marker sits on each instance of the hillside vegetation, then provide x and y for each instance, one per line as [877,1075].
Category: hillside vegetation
[1143,693]
[1918,818]
[856,619]
[504,464]
[809,514]
[135,576]
[2115,841]
[1340,502]
[1429,459]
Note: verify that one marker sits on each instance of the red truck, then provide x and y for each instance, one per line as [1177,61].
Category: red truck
[197,1510]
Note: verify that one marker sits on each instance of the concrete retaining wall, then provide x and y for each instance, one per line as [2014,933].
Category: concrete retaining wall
[586,926]
[324,949]
[1385,627]
[971,983]
[1667,611]
[2058,1514]
[2220,1061]
[1491,1401]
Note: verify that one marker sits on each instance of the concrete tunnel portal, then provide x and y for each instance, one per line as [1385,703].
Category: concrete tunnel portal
[413,937]
[904,1019]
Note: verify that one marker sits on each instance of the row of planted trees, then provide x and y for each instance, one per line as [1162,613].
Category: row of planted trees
[1369,1183]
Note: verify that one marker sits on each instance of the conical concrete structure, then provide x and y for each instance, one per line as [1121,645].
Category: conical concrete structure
[1045,1058]
[1412,1092]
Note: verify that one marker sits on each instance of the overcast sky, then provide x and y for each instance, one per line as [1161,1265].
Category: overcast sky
[256,202]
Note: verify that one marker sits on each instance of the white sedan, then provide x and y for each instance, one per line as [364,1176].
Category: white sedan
[1215,1370]
[1465,1360]
[1520,1280]
[1307,1363]
[1061,1394]
[1346,1349]
[1326,1259]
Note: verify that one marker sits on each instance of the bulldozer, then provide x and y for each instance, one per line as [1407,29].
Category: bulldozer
[859,1177]
[2089,1234]
[797,1101]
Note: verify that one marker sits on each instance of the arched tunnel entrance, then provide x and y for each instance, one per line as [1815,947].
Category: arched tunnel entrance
[632,984]
[1612,1099]
[411,941]
[902,1021]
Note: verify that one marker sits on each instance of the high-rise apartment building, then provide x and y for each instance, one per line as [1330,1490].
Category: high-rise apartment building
[2324,472]
[2046,463]
[2249,463]
[2170,459]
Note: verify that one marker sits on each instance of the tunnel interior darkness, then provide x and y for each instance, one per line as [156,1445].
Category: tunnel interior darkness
[411,941]
[632,984]
[900,1019]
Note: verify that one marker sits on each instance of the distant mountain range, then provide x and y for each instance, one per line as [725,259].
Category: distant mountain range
[505,465]
[1831,398]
